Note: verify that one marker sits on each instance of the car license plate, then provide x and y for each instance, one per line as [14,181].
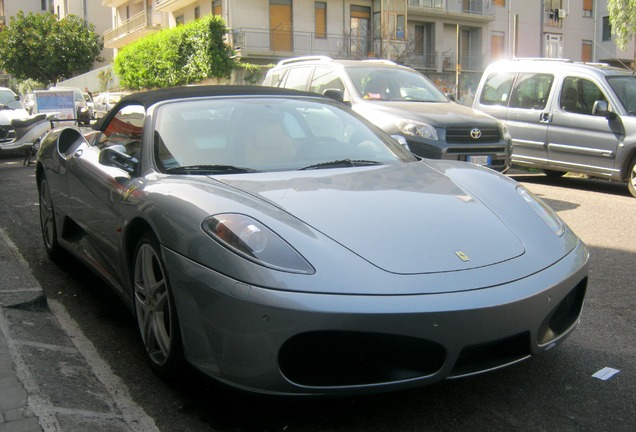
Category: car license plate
[479,160]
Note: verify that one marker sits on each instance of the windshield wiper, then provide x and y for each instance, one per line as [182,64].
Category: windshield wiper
[209,169]
[341,163]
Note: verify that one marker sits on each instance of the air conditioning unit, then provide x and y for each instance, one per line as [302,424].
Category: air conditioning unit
[562,13]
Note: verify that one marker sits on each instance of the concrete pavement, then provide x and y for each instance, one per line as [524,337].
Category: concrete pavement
[51,377]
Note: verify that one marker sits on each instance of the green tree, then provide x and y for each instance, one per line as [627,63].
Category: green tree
[39,47]
[181,55]
[622,15]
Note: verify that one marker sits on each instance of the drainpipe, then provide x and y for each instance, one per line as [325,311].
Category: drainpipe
[541,23]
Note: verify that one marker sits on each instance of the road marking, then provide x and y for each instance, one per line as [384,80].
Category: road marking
[132,413]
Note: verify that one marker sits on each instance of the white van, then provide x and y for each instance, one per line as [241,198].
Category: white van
[565,116]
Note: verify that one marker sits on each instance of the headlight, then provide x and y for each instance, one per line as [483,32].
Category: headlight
[546,213]
[254,241]
[418,129]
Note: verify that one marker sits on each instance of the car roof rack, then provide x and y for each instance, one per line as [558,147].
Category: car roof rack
[383,61]
[542,59]
[303,59]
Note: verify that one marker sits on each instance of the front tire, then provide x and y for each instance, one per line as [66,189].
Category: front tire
[155,310]
[631,178]
[47,220]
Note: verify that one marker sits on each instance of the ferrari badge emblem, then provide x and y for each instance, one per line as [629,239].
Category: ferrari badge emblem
[462,256]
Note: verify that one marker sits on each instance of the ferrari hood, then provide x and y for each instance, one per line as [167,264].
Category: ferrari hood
[406,219]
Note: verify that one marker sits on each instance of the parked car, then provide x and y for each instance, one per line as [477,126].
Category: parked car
[81,107]
[10,108]
[401,101]
[90,104]
[103,102]
[282,244]
[565,116]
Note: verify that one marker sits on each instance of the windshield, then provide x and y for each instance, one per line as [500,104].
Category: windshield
[239,135]
[7,97]
[394,84]
[625,89]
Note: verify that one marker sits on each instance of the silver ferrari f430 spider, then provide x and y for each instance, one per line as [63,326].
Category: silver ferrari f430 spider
[280,243]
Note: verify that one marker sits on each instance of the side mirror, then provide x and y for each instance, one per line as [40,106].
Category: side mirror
[336,95]
[451,96]
[601,109]
[402,141]
[116,156]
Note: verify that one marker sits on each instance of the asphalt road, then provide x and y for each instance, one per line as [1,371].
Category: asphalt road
[553,392]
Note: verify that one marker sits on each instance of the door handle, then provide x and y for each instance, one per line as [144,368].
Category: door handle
[78,153]
[545,117]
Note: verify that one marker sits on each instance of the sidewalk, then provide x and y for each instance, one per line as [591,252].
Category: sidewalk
[51,377]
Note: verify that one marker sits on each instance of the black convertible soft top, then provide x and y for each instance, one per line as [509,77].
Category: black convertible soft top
[151,97]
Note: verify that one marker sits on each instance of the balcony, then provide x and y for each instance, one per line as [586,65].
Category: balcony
[114,3]
[138,26]
[476,10]
[427,60]
[262,43]
[472,62]
[172,5]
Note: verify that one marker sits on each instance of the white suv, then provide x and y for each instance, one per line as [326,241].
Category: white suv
[401,101]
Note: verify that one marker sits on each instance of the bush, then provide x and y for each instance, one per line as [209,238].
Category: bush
[182,55]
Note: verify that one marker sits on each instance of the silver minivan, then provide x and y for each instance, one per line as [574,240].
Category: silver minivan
[565,116]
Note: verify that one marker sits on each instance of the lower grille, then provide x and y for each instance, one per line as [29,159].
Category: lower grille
[337,359]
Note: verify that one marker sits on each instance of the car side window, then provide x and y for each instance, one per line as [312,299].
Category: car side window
[496,90]
[579,94]
[125,128]
[297,78]
[531,90]
[325,79]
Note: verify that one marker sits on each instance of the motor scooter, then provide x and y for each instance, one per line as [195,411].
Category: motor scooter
[28,133]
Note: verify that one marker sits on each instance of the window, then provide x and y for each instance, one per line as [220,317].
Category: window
[325,79]
[125,129]
[179,20]
[497,45]
[197,13]
[497,89]
[297,77]
[531,91]
[586,51]
[588,6]
[217,9]
[320,16]
[607,29]
[578,95]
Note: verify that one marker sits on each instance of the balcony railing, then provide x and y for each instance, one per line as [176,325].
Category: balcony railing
[431,4]
[468,62]
[283,43]
[425,60]
[134,28]
[481,8]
